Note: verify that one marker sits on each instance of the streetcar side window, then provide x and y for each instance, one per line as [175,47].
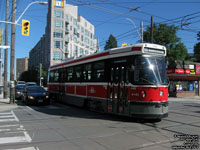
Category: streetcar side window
[77,73]
[98,71]
[87,72]
[51,76]
[69,74]
[62,75]
[56,76]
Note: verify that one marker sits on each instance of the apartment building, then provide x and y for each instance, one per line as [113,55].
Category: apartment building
[67,36]
[21,66]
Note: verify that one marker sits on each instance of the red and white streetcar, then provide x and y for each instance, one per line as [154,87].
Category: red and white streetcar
[129,81]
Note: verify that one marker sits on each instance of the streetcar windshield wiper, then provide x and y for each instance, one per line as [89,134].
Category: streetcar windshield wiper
[149,82]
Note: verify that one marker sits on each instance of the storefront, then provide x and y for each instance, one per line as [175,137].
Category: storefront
[184,79]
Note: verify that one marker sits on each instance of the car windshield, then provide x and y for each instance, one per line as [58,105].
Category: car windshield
[20,87]
[149,70]
[35,90]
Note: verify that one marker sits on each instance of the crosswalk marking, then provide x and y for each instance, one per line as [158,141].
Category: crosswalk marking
[8,116]
[15,133]
[27,148]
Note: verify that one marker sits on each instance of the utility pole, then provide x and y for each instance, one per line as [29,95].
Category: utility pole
[151,29]
[12,56]
[6,55]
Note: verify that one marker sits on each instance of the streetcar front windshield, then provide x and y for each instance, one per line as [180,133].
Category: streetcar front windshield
[149,70]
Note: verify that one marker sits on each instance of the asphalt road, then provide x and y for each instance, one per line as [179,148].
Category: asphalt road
[62,127]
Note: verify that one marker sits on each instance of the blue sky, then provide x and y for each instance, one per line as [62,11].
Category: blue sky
[109,17]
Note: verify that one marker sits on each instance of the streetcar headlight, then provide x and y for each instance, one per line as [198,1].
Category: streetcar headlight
[143,94]
[161,93]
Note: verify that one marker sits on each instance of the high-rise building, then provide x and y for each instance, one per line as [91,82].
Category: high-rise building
[22,65]
[67,36]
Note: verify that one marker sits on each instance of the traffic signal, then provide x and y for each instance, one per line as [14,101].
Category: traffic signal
[25,27]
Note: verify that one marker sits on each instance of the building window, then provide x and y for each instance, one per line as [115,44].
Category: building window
[57,55]
[75,22]
[66,37]
[82,29]
[86,52]
[81,51]
[67,18]
[58,44]
[75,40]
[58,23]
[87,32]
[58,33]
[82,38]
[87,41]
[75,50]
[58,14]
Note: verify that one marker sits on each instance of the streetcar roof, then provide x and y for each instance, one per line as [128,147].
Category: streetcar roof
[141,48]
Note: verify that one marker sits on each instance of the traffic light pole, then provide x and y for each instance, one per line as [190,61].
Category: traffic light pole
[5,90]
[12,55]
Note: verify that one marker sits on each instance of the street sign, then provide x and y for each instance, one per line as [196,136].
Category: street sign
[4,46]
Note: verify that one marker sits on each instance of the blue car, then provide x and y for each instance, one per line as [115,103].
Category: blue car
[19,89]
[35,95]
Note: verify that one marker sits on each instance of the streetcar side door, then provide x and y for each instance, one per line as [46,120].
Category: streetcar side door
[117,90]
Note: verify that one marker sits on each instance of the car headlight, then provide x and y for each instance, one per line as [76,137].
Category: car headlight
[18,92]
[47,97]
[30,97]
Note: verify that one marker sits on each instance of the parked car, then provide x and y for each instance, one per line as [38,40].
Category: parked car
[19,89]
[30,83]
[35,95]
[21,82]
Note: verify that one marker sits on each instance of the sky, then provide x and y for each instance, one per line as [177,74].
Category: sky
[110,17]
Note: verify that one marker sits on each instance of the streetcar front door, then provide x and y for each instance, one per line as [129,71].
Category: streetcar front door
[116,101]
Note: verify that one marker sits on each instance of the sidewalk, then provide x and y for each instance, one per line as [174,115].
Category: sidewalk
[5,104]
[195,98]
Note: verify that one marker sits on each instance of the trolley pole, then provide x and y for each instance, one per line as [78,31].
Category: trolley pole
[12,55]
[151,29]
[6,55]
[141,28]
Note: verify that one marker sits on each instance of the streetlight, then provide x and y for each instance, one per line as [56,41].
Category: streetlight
[39,2]
[12,54]
[132,22]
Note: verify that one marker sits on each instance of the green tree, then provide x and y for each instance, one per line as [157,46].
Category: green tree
[166,35]
[29,76]
[197,49]
[110,43]
[33,75]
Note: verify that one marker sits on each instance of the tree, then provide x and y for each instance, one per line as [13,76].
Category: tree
[29,76]
[110,43]
[166,35]
[197,49]
[33,75]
